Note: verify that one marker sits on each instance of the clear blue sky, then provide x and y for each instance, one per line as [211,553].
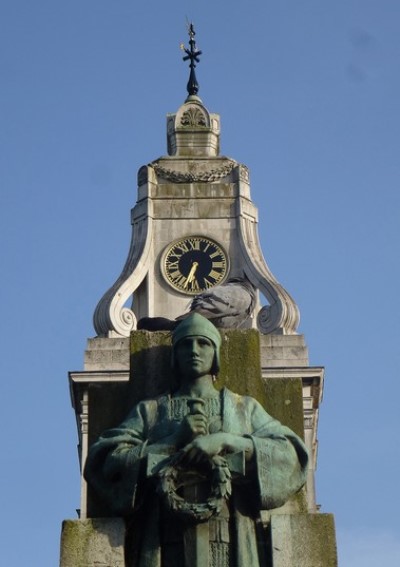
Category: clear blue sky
[309,97]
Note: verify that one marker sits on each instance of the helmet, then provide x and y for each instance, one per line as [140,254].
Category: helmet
[196,325]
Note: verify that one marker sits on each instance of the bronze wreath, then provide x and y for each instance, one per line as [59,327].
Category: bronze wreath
[219,474]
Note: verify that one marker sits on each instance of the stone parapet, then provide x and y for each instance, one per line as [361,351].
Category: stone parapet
[279,351]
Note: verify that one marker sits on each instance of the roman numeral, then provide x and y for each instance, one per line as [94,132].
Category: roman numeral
[182,247]
[194,244]
[179,280]
[175,275]
[213,274]
[173,265]
[194,286]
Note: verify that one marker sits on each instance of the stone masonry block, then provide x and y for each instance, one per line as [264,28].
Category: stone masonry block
[93,543]
[107,354]
[279,363]
[282,340]
[100,343]
[303,540]
[283,350]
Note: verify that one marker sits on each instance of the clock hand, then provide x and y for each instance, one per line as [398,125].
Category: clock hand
[192,272]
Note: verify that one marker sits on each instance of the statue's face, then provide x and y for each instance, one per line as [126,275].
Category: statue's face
[195,356]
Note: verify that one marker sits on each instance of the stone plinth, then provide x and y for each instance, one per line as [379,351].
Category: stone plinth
[303,540]
[93,543]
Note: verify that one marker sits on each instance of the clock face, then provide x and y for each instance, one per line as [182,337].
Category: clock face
[194,264]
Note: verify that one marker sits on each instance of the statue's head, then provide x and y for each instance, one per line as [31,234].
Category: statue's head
[196,325]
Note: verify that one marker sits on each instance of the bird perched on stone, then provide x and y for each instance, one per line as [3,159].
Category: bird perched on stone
[228,305]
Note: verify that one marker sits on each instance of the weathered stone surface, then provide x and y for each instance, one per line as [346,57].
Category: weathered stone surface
[303,540]
[285,402]
[107,354]
[240,364]
[93,543]
[283,351]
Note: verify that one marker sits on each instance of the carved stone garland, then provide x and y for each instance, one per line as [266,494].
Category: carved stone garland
[194,177]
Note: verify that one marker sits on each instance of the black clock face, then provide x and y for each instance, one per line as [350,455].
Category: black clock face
[194,264]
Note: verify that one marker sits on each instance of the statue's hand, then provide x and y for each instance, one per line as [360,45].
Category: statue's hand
[205,447]
[208,446]
[192,426]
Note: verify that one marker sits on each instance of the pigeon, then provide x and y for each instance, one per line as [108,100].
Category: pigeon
[228,305]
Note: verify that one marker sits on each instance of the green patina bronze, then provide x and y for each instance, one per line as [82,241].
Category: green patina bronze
[192,465]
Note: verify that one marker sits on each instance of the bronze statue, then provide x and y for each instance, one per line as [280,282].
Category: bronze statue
[192,469]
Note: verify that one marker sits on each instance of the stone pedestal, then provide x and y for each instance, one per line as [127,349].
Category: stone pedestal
[93,543]
[303,540]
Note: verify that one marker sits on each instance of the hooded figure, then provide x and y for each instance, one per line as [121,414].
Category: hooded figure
[196,457]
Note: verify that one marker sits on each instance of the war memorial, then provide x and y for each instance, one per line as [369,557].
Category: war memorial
[197,409]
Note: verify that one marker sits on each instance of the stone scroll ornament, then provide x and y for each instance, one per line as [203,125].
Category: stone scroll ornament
[281,315]
[112,317]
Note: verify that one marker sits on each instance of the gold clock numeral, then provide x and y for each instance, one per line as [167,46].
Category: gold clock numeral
[194,285]
[179,280]
[215,275]
[173,265]
[175,275]
[194,244]
[182,247]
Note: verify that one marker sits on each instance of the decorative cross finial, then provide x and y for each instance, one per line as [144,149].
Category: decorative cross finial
[192,54]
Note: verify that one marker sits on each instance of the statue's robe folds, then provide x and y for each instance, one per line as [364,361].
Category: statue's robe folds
[116,469]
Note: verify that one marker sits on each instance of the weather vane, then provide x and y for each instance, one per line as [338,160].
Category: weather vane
[192,54]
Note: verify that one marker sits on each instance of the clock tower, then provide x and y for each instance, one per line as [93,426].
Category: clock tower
[194,227]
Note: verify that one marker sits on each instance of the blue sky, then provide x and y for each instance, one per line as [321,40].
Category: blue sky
[309,97]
